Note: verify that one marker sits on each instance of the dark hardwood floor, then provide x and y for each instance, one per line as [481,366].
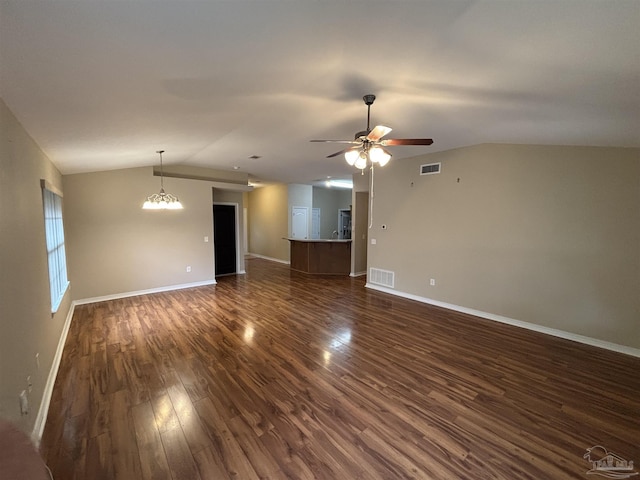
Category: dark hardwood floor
[281,375]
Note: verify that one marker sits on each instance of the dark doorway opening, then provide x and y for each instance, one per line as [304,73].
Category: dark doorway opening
[224,239]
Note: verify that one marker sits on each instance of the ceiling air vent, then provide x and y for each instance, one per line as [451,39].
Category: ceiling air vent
[430,169]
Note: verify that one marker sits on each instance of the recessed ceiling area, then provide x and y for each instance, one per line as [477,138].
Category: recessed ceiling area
[104,85]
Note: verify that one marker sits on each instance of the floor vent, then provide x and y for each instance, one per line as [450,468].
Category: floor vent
[384,278]
[430,169]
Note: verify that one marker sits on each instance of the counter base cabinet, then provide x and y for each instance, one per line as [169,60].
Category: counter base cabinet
[321,256]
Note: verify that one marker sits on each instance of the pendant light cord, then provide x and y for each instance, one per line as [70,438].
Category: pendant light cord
[371,195]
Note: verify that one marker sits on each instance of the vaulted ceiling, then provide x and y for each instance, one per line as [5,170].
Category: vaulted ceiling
[104,84]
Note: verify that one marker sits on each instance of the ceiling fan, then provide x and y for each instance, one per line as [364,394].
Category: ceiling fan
[368,144]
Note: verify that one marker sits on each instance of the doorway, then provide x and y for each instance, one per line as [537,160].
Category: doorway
[224,239]
[344,224]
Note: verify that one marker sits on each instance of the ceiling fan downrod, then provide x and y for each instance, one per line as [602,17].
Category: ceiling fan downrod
[368,100]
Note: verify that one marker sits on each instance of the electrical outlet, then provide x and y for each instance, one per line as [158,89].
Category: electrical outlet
[206,239]
[29,383]
[373,241]
[432,282]
[188,268]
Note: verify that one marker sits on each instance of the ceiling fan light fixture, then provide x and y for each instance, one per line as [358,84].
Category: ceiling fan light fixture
[369,143]
[162,200]
[351,156]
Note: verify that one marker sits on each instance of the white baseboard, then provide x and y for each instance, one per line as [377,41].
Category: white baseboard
[357,274]
[594,342]
[43,411]
[168,288]
[286,262]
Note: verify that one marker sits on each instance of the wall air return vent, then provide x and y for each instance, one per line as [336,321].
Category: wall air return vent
[430,169]
[384,278]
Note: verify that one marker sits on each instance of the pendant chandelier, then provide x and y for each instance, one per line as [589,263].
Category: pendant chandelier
[162,200]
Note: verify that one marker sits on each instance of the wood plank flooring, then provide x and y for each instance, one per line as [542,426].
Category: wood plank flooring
[280,375]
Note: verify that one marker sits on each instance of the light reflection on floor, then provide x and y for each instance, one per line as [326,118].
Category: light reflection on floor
[249,331]
[341,339]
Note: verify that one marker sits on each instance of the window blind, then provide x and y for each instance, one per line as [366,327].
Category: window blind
[56,255]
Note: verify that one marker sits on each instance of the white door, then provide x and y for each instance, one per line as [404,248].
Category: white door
[299,223]
[315,223]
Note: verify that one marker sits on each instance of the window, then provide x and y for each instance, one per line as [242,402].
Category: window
[54,233]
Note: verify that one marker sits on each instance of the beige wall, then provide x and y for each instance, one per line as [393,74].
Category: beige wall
[268,222]
[359,235]
[299,196]
[547,235]
[360,199]
[26,324]
[116,247]
[361,181]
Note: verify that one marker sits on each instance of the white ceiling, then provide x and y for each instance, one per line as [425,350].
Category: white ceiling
[104,84]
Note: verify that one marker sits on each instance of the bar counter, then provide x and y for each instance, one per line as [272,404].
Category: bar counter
[322,257]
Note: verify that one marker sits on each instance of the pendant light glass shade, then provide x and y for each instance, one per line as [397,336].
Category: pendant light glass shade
[351,156]
[379,155]
[361,162]
[162,200]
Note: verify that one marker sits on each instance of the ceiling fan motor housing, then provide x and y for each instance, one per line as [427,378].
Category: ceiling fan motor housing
[362,134]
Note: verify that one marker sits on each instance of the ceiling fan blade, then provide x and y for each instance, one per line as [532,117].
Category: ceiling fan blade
[336,141]
[406,141]
[378,132]
[341,152]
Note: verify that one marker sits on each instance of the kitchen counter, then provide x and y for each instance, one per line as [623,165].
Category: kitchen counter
[321,256]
